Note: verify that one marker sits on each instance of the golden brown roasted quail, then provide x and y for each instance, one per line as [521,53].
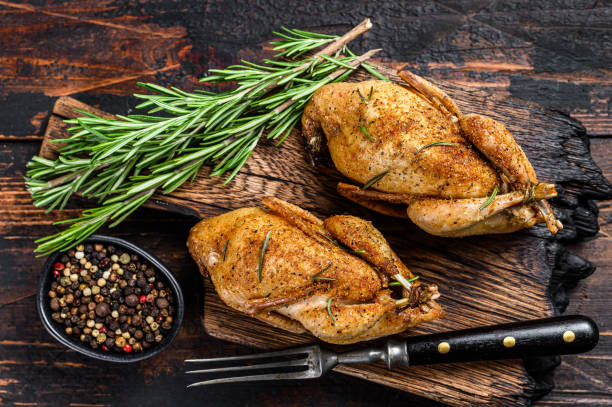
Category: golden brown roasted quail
[330,277]
[435,165]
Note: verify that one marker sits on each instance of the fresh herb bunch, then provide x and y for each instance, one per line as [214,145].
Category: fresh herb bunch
[122,162]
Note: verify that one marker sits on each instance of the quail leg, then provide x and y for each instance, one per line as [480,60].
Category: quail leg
[381,202]
[492,139]
[364,239]
[300,218]
[498,145]
[465,217]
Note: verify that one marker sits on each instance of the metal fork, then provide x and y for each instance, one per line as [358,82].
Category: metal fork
[551,336]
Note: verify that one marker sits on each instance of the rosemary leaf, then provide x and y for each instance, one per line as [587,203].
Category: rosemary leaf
[490,200]
[225,249]
[363,129]
[330,239]
[364,100]
[404,281]
[370,95]
[374,180]
[329,310]
[435,143]
[372,71]
[359,251]
[261,255]
[316,276]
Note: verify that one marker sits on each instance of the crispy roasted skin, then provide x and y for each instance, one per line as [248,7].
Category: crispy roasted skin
[441,188]
[287,296]
[401,122]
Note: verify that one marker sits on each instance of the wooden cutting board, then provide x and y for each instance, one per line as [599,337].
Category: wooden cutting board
[483,280]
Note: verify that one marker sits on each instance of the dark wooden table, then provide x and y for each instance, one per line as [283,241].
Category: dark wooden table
[557,54]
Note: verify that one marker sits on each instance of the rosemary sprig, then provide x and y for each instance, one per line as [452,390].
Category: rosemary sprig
[264,247]
[490,200]
[225,249]
[364,100]
[410,280]
[374,180]
[317,276]
[122,162]
[332,241]
[365,132]
[329,301]
[435,143]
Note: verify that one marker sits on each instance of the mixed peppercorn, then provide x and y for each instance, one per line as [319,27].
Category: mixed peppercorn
[110,299]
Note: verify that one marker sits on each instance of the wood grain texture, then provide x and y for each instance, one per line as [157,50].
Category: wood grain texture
[556,53]
[489,280]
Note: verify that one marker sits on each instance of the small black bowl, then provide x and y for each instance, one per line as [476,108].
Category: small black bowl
[57,330]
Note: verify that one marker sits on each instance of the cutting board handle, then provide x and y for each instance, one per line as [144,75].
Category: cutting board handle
[541,337]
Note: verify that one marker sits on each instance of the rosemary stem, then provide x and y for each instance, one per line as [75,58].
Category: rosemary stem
[331,49]
[354,63]
[337,45]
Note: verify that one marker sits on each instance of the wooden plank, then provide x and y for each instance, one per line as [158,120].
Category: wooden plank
[478,43]
[586,380]
[553,53]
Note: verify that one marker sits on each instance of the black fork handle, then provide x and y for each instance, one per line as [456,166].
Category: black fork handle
[541,337]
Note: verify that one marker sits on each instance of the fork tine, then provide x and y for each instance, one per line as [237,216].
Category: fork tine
[287,363]
[271,376]
[288,352]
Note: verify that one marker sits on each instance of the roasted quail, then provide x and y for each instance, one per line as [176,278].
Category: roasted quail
[331,278]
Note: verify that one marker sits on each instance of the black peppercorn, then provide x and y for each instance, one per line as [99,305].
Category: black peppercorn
[162,303]
[95,304]
[131,300]
[104,263]
[102,309]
